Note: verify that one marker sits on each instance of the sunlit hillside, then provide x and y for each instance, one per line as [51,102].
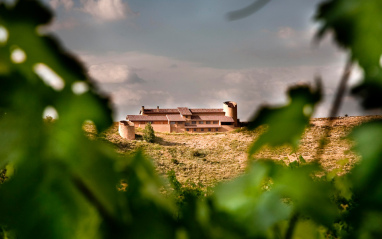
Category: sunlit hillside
[213,157]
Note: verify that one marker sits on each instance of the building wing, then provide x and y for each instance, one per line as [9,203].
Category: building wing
[134,118]
[184,111]
[198,111]
[175,118]
[213,118]
[183,119]
[160,111]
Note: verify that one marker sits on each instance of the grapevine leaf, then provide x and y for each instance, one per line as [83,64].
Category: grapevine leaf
[70,181]
[286,123]
[147,206]
[22,22]
[365,181]
[245,200]
[357,26]
[306,194]
[369,146]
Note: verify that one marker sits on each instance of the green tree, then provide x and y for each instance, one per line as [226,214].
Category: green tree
[148,133]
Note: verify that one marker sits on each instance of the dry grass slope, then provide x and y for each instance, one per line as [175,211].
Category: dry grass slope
[213,157]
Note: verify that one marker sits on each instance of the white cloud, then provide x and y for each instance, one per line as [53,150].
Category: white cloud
[286,32]
[108,10]
[193,85]
[68,4]
[68,23]
[235,78]
[132,97]
[113,73]
[127,96]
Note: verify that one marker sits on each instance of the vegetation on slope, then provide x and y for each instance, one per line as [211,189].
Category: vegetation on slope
[213,157]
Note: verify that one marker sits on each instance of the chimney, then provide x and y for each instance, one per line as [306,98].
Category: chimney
[142,109]
[158,108]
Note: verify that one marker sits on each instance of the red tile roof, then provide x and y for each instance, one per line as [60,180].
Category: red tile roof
[206,110]
[184,111]
[146,118]
[175,118]
[212,118]
[160,111]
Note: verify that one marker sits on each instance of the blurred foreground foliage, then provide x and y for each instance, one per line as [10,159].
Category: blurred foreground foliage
[60,184]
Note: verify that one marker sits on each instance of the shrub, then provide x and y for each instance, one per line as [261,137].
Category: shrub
[200,153]
[148,133]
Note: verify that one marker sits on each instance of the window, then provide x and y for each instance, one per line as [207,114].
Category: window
[227,123]
[208,122]
[209,129]
[172,122]
[216,129]
[201,129]
[180,122]
[195,130]
[201,122]
[216,122]
[187,129]
[193,122]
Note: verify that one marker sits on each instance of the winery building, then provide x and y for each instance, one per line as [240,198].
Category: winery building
[183,119]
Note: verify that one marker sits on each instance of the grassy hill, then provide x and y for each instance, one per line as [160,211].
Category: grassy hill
[212,157]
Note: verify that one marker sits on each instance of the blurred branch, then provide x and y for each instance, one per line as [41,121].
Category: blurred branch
[88,194]
[341,89]
[335,107]
[247,11]
[292,225]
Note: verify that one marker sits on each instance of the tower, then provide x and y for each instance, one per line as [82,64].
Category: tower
[230,109]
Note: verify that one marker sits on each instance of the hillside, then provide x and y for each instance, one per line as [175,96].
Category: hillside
[212,157]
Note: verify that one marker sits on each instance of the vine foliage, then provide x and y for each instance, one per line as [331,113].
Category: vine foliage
[60,184]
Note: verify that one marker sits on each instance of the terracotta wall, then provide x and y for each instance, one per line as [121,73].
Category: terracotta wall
[126,130]
[165,128]
[177,128]
[225,128]
[161,128]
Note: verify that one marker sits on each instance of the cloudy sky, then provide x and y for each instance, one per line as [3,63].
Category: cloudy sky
[172,53]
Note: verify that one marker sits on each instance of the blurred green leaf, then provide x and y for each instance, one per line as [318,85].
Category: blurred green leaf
[306,229]
[357,27]
[249,205]
[69,182]
[369,146]
[144,201]
[286,123]
[306,193]
[302,160]
[22,21]
[60,184]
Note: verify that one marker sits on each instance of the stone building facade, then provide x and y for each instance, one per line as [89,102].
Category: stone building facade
[183,119]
